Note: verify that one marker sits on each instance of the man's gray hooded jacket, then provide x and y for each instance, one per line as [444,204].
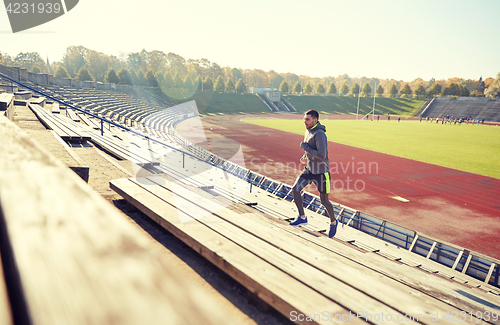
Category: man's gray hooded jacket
[316,147]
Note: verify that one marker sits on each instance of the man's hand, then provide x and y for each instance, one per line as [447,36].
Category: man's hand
[303,160]
[304,145]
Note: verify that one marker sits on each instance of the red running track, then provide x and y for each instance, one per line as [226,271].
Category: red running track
[455,206]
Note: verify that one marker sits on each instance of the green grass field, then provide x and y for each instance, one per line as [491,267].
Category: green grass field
[348,105]
[214,103]
[209,102]
[471,148]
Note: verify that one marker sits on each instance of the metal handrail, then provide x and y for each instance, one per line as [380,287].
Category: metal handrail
[102,119]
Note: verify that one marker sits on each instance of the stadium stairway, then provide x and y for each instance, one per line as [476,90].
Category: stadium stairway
[298,271]
[70,257]
[244,230]
[261,198]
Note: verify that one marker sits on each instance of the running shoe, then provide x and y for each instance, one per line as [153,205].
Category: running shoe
[333,229]
[299,221]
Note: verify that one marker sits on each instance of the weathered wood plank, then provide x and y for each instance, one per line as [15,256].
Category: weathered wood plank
[450,292]
[72,115]
[79,259]
[331,287]
[429,284]
[59,124]
[365,283]
[55,108]
[283,292]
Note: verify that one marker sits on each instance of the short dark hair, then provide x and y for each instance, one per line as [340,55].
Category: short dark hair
[313,113]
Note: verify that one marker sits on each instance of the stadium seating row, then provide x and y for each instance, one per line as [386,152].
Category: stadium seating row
[70,257]
[244,231]
[473,108]
[155,126]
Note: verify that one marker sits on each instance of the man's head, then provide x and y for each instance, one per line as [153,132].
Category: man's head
[310,118]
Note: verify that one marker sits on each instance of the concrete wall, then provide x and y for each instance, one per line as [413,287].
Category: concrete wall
[274,96]
[23,75]
[257,90]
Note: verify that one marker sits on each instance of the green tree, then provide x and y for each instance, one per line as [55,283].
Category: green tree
[482,86]
[29,60]
[344,90]
[35,69]
[61,72]
[240,86]
[74,59]
[464,91]
[230,85]
[297,88]
[380,91]
[98,64]
[178,83]
[308,88]
[284,86]
[124,77]
[133,77]
[84,75]
[393,91]
[141,79]
[453,89]
[176,63]
[150,77]
[332,89]
[320,89]
[219,84]
[274,79]
[188,83]
[236,74]
[137,60]
[420,91]
[111,77]
[208,84]
[367,90]
[435,89]
[5,59]
[406,90]
[493,90]
[197,83]
[355,90]
[168,81]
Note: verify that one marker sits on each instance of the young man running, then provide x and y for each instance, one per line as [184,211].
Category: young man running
[317,169]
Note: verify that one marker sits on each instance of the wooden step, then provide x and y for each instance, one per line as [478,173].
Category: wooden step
[285,293]
[80,261]
[310,264]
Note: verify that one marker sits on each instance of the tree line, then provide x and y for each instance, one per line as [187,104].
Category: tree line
[391,90]
[172,71]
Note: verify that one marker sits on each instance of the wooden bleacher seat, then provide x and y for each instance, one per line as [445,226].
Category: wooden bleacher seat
[79,259]
[39,101]
[72,115]
[7,105]
[23,95]
[113,143]
[59,124]
[343,275]
[6,101]
[55,108]
[282,209]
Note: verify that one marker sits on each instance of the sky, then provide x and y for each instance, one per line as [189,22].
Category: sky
[385,39]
